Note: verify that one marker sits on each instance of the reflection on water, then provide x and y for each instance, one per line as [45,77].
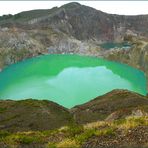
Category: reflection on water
[67,79]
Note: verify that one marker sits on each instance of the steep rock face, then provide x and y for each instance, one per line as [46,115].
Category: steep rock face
[116,104]
[81,22]
[85,23]
[16,45]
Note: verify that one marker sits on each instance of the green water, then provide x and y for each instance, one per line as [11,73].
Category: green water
[68,80]
[110,45]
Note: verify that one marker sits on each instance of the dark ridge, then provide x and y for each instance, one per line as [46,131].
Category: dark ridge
[119,102]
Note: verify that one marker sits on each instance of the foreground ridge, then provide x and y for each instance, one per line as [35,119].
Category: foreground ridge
[116,119]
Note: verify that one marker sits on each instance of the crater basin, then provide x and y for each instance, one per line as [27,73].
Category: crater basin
[68,80]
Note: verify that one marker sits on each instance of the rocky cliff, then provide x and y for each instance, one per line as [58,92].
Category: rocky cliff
[72,28]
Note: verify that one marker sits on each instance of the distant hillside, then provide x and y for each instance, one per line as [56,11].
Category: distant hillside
[79,21]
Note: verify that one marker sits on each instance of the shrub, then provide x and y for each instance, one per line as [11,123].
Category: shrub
[51,145]
[74,130]
[49,132]
[2,109]
[85,136]
[68,143]
[26,139]
[131,122]
[107,132]
[95,125]
[4,134]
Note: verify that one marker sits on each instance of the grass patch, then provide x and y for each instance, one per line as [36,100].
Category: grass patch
[73,130]
[96,125]
[2,109]
[131,122]
[50,132]
[73,136]
[25,138]
[68,143]
[51,145]
[105,132]
[4,134]
[93,132]
[85,136]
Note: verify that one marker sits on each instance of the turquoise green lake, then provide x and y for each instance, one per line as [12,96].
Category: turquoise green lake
[68,80]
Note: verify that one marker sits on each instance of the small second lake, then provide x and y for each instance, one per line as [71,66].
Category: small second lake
[111,45]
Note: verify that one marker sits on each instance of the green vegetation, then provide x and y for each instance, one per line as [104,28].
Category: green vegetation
[73,136]
[67,143]
[5,17]
[85,135]
[74,130]
[2,109]
[4,134]
[131,122]
[29,114]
